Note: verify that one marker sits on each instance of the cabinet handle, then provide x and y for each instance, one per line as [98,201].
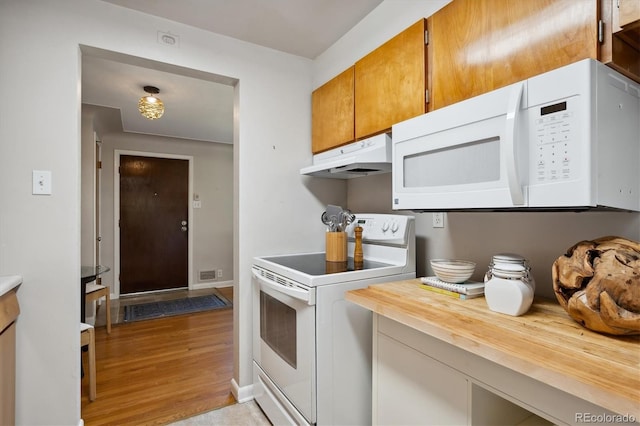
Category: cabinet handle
[600,31]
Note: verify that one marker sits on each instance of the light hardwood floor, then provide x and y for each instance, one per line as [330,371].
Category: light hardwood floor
[158,371]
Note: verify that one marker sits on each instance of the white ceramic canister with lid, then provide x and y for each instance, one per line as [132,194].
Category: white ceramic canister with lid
[509,286]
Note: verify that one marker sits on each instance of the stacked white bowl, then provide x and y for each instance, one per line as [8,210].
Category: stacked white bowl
[453,270]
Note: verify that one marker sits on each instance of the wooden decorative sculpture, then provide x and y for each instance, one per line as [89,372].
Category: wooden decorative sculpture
[598,284]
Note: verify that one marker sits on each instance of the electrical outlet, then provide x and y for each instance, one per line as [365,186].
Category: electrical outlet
[219,273]
[438,220]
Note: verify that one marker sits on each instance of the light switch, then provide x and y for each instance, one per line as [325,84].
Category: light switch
[197,204]
[42,182]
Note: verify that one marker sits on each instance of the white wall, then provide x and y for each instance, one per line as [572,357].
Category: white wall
[41,130]
[88,191]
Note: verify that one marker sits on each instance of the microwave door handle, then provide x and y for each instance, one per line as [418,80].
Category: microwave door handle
[513,118]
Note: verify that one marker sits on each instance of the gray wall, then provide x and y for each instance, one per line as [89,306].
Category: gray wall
[476,236]
[212,226]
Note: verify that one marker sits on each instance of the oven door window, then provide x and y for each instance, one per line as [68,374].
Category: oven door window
[278,328]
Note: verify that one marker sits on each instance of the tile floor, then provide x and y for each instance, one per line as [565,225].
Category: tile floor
[245,414]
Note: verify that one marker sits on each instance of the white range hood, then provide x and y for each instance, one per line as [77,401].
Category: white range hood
[362,158]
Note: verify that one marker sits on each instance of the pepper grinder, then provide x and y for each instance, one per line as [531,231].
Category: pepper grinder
[358,258]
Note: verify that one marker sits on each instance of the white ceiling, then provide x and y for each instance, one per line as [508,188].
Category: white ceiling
[112,84]
[301,27]
[195,108]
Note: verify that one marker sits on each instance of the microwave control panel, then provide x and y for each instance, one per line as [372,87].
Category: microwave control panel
[554,152]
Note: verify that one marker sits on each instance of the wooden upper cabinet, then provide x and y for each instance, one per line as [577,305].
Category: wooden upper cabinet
[385,87]
[459,34]
[477,46]
[332,109]
[629,13]
[621,46]
[390,82]
[549,33]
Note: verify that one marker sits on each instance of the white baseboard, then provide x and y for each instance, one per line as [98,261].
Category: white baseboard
[211,284]
[241,394]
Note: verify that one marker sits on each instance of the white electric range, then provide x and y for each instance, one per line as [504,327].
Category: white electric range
[312,348]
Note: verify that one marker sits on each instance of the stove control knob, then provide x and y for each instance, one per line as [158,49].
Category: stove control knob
[394,227]
[385,227]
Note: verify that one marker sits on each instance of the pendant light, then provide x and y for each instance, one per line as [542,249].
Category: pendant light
[150,106]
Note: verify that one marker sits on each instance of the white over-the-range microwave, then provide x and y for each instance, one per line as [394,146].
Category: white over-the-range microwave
[565,139]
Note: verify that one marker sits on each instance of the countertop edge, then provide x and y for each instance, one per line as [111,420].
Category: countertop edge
[9,282]
[588,392]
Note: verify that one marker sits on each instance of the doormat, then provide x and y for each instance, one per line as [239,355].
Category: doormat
[169,308]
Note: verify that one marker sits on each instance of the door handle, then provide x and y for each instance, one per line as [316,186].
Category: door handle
[512,129]
[296,293]
[184,226]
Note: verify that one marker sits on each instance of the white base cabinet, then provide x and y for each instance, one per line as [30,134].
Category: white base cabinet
[9,311]
[419,379]
[406,378]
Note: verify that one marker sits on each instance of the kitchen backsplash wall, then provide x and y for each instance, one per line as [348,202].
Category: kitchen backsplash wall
[538,236]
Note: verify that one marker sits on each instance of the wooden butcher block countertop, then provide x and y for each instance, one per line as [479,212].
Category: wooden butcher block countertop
[544,344]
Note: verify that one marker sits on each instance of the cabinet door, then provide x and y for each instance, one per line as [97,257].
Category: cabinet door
[620,48]
[7,375]
[456,71]
[629,11]
[411,388]
[9,310]
[480,45]
[532,37]
[332,113]
[390,82]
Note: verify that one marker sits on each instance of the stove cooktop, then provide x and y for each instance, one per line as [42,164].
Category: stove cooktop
[315,264]
[387,238]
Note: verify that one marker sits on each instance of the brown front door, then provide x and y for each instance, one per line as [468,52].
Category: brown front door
[153,223]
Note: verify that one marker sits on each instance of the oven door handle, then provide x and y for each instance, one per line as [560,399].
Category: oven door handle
[296,293]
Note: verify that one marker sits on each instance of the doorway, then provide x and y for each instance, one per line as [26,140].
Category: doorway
[118,142]
[154,212]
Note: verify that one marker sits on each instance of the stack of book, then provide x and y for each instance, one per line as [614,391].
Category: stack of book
[466,290]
